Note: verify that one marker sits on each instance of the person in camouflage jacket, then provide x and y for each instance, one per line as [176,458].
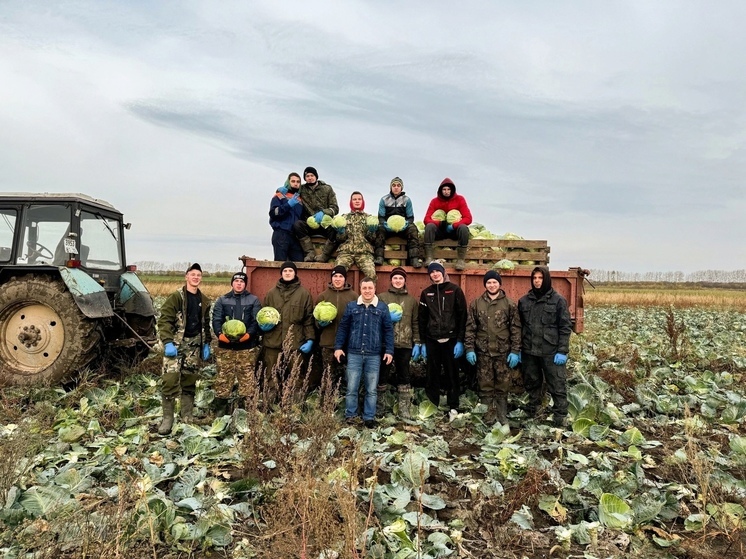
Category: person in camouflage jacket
[406,341]
[318,199]
[493,343]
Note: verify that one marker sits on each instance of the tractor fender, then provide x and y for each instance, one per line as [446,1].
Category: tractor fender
[87,293]
[133,296]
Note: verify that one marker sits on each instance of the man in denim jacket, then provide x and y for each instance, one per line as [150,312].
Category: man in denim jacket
[366,331]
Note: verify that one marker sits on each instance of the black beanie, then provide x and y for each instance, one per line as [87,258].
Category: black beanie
[239,275]
[311,170]
[340,270]
[492,274]
[289,264]
[398,271]
[434,265]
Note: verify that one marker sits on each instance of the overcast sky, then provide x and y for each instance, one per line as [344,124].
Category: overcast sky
[614,130]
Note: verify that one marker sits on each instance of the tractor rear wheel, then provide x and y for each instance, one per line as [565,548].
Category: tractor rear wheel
[44,337]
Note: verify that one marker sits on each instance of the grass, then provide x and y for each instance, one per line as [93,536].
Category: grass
[666,295]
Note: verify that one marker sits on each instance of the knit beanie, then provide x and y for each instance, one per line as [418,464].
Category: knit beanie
[311,170]
[339,270]
[398,271]
[289,264]
[492,274]
[435,266]
[239,275]
[396,180]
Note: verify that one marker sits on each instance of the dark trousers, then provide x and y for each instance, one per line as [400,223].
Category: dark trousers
[286,246]
[442,372]
[434,233]
[538,369]
[410,234]
[398,372]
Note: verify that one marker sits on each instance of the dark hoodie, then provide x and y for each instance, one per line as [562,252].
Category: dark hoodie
[442,312]
[453,202]
[545,319]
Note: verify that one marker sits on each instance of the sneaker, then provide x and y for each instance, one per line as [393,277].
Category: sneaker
[370,423]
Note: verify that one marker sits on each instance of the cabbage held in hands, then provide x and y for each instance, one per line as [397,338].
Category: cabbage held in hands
[453,216]
[325,312]
[268,316]
[395,307]
[311,221]
[234,329]
[326,221]
[438,215]
[338,221]
[372,221]
[396,223]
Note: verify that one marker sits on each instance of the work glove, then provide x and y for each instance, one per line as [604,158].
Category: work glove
[372,228]
[471,357]
[324,323]
[307,347]
[244,338]
[423,355]
[560,358]
[205,352]
[267,326]
[169,350]
[416,352]
[449,228]
[458,349]
[223,338]
[341,230]
[318,216]
[395,316]
[294,201]
[513,360]
[386,226]
[283,189]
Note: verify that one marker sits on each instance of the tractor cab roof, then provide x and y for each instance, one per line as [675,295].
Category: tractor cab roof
[55,197]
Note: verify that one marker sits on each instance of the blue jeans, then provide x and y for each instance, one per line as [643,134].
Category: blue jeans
[366,367]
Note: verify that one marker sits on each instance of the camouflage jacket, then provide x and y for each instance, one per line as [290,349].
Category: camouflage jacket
[357,238]
[173,311]
[319,197]
[407,330]
[493,326]
[295,306]
[339,298]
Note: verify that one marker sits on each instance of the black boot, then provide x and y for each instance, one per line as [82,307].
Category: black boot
[307,246]
[414,258]
[428,254]
[460,258]
[378,260]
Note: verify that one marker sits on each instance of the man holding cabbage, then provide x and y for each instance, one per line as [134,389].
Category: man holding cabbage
[319,206]
[447,217]
[396,218]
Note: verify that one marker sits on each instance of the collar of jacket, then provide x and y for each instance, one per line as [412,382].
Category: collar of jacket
[373,303]
[398,290]
[486,295]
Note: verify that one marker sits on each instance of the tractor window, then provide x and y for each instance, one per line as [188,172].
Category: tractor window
[7,228]
[45,229]
[100,245]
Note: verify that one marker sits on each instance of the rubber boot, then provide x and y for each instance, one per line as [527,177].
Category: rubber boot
[378,260]
[491,416]
[405,401]
[460,258]
[326,253]
[187,408]
[414,258]
[167,422]
[428,254]
[501,403]
[380,397]
[307,246]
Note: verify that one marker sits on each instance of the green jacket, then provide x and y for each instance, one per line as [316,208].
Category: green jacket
[295,306]
[339,298]
[357,238]
[493,326]
[319,197]
[407,330]
[173,311]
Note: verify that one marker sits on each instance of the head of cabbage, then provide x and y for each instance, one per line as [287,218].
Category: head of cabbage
[371,221]
[233,328]
[438,215]
[268,315]
[396,223]
[325,311]
[326,221]
[311,221]
[453,216]
[395,307]
[339,221]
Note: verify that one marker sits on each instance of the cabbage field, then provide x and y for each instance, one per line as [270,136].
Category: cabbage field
[652,464]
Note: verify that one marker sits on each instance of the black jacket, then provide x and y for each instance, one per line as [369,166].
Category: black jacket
[243,307]
[545,319]
[442,312]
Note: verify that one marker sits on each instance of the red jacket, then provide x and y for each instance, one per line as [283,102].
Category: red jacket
[453,202]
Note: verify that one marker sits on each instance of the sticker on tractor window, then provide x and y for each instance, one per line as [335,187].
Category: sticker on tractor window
[70,246]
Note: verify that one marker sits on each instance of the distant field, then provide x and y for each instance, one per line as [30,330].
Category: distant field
[678,295]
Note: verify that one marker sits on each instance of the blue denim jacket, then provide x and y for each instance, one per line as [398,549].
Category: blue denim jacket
[366,330]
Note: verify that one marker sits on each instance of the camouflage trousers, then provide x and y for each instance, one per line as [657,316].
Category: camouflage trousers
[180,373]
[494,377]
[235,366]
[364,261]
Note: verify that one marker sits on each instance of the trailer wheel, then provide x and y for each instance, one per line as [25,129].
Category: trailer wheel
[44,337]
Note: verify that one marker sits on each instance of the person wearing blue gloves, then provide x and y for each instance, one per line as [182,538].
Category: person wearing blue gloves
[407,345]
[493,344]
[545,344]
[184,331]
[442,320]
[295,305]
[317,199]
[284,210]
[396,202]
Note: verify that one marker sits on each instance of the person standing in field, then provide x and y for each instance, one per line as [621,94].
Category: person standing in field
[396,202]
[364,334]
[317,199]
[442,318]
[295,305]
[436,229]
[546,324]
[284,210]
[339,293]
[406,340]
[236,355]
[493,344]
[184,330]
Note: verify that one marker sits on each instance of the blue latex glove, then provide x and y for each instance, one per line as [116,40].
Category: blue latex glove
[513,360]
[395,316]
[416,352]
[307,347]
[386,226]
[318,216]
[341,230]
[294,201]
[205,352]
[449,228]
[560,358]
[458,349]
[372,228]
[283,189]
[169,350]
[471,357]
[266,327]
[423,355]
[324,323]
